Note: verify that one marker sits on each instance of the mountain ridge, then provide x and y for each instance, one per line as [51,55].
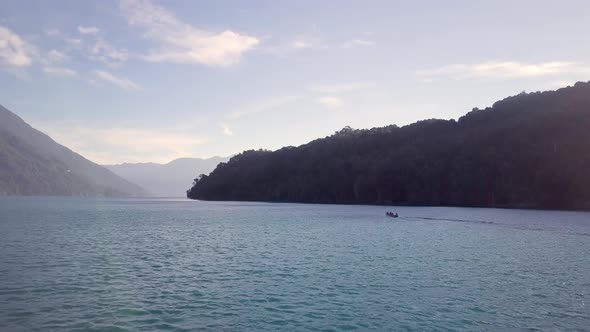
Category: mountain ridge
[171,179]
[32,163]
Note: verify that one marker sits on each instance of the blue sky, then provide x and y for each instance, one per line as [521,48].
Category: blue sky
[140,81]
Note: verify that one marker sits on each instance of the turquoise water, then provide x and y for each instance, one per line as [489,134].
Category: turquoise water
[70,264]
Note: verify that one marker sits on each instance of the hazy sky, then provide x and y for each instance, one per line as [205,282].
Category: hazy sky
[134,80]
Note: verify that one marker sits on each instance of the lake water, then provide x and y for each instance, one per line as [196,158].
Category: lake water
[71,264]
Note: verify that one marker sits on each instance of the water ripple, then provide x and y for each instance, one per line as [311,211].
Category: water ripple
[92,265]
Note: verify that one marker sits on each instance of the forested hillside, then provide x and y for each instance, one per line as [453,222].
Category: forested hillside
[531,150]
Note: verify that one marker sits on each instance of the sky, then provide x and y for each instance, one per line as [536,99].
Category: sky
[153,80]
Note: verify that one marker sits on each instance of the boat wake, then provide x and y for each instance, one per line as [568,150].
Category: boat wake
[453,220]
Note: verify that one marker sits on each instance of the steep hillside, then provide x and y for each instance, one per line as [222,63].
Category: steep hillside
[31,163]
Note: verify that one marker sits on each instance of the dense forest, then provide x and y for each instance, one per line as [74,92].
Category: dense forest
[531,150]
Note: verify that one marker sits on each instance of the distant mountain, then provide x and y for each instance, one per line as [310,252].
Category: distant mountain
[166,180]
[31,163]
[531,150]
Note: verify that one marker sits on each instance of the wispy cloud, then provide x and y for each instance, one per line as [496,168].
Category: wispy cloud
[330,101]
[306,42]
[52,32]
[300,44]
[89,44]
[297,44]
[14,51]
[75,43]
[310,42]
[105,52]
[71,42]
[505,69]
[180,42]
[264,105]
[60,71]
[88,30]
[337,88]
[226,130]
[121,82]
[116,144]
[94,82]
[55,56]
[357,42]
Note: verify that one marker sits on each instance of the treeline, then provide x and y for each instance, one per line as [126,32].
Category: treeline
[530,150]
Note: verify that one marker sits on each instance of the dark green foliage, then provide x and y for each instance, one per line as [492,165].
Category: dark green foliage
[530,150]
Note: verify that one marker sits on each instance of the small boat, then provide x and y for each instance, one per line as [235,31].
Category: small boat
[391,214]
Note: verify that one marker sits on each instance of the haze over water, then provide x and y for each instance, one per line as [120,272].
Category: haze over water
[159,265]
